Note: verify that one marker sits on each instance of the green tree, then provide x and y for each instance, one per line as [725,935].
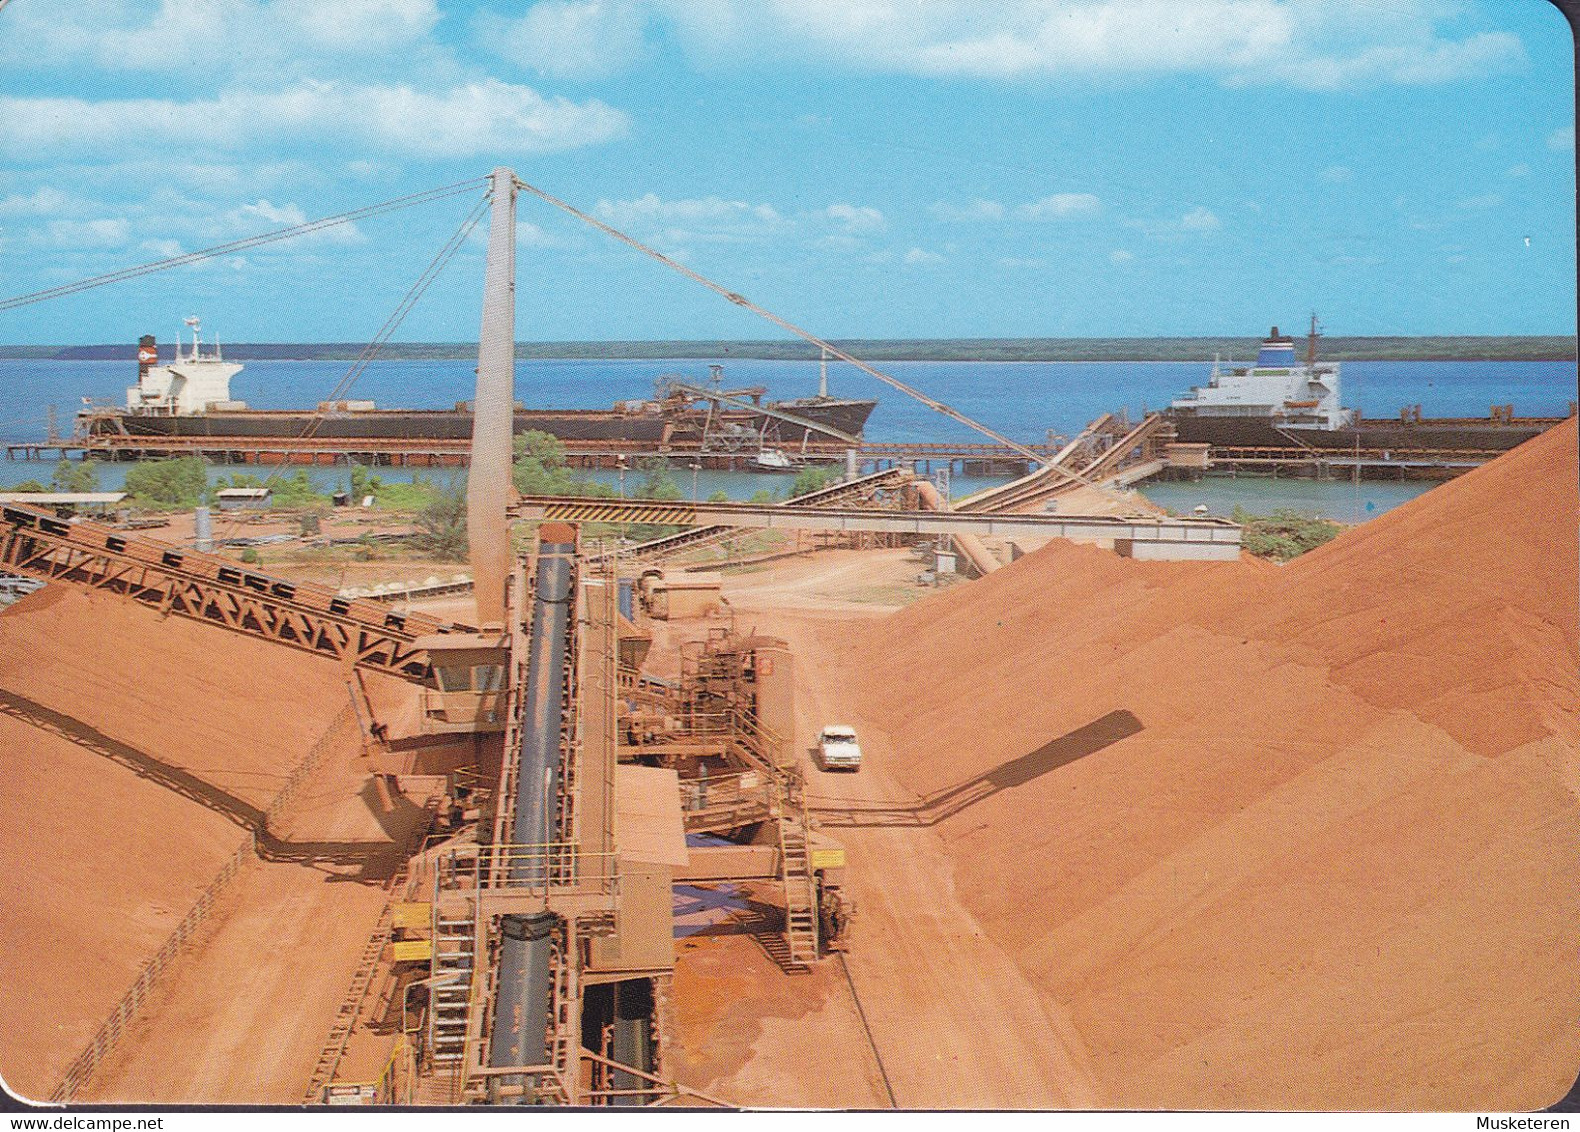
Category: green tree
[363,484]
[83,477]
[297,491]
[812,479]
[720,496]
[1284,534]
[541,469]
[30,485]
[657,482]
[441,524]
[181,482]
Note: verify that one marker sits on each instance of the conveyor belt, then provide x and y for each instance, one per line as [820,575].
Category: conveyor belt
[1165,530]
[216,590]
[851,491]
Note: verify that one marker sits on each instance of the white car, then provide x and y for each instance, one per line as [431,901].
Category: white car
[837,748]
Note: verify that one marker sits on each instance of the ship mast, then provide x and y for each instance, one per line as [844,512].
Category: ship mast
[1311,343]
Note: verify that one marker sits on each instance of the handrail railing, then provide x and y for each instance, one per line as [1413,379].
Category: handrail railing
[109,1034]
[110,1031]
[553,867]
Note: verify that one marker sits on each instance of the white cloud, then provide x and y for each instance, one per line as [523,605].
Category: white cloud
[1059,206]
[1119,255]
[225,36]
[44,201]
[1482,202]
[1520,170]
[487,117]
[711,219]
[357,25]
[918,257]
[1315,44]
[977,210]
[1336,174]
[529,235]
[263,216]
[281,217]
[160,249]
[714,219]
[856,219]
[1426,62]
[1199,221]
[703,212]
[573,39]
[1561,138]
[106,233]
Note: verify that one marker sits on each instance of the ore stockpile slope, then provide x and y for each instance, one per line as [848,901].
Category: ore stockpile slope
[1292,837]
[138,751]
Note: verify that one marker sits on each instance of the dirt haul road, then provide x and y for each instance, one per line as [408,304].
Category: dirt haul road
[952,1019]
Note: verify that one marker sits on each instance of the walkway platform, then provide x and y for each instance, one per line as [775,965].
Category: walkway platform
[1161,538]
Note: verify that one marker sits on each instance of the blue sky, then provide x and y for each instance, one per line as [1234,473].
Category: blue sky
[868,168]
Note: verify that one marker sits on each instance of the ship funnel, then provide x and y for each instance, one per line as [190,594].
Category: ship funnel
[147,355]
[493,416]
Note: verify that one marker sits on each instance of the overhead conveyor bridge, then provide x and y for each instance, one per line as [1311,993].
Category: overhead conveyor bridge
[862,490]
[219,591]
[1166,537]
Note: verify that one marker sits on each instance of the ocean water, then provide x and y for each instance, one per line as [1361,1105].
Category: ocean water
[1027,401]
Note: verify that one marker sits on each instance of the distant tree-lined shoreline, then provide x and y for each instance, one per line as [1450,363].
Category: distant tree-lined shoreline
[1441,348]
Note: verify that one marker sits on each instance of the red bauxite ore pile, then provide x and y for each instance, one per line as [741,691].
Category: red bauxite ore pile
[1294,837]
[136,749]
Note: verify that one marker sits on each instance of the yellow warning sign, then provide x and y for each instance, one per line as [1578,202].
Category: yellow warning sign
[410,950]
[412,915]
[828,858]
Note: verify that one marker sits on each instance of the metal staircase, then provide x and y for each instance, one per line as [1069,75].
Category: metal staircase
[450,985]
[565,1039]
[800,889]
[346,1015]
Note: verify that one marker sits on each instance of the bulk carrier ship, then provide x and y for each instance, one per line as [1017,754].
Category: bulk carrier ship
[190,397]
[1284,403]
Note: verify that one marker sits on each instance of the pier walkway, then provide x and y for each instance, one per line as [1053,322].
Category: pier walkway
[421,452]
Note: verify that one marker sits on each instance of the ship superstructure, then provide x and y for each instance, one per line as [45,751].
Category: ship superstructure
[193,383]
[1278,390]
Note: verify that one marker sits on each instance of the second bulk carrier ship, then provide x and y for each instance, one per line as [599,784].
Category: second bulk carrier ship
[1282,402]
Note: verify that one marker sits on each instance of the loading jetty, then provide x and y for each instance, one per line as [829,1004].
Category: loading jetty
[1279,415]
[1415,449]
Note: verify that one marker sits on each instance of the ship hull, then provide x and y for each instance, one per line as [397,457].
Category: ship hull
[589,425]
[1393,436]
[376,425]
[849,417]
